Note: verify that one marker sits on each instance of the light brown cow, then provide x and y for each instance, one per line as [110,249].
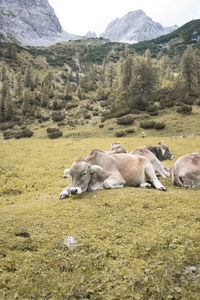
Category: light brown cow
[159,168]
[186,171]
[102,170]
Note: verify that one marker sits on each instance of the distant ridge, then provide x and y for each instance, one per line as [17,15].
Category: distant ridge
[135,27]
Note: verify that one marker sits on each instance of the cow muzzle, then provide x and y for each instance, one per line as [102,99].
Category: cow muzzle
[75,190]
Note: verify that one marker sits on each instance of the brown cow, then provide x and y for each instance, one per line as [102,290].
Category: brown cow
[186,171]
[159,168]
[103,170]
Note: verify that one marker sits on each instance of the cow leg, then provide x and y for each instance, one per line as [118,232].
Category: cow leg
[195,187]
[114,182]
[145,185]
[160,169]
[65,193]
[149,170]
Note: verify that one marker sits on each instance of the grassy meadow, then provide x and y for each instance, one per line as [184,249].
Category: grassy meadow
[130,243]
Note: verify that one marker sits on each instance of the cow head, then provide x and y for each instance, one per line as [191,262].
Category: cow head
[163,152]
[81,172]
[118,148]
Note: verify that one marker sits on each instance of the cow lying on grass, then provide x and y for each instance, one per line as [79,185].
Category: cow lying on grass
[159,168]
[186,171]
[101,170]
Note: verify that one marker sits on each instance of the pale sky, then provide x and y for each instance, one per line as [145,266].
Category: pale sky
[80,16]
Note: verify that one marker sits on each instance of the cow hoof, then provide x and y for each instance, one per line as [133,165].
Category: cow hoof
[63,196]
[163,188]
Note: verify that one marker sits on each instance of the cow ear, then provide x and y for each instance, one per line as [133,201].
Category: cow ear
[160,143]
[66,173]
[95,168]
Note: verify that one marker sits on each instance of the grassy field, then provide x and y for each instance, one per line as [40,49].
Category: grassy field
[130,243]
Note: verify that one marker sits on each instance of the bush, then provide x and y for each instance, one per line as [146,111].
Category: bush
[54,133]
[70,105]
[184,109]
[104,103]
[57,116]
[101,125]
[151,108]
[159,125]
[130,130]
[17,134]
[6,126]
[95,112]
[125,120]
[147,124]
[120,133]
[45,118]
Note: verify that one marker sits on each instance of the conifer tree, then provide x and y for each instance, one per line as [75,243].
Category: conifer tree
[44,99]
[143,81]
[188,68]
[126,72]
[68,91]
[8,114]
[18,87]
[26,106]
[28,77]
[3,73]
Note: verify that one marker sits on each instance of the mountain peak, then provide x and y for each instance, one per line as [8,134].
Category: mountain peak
[134,27]
[31,22]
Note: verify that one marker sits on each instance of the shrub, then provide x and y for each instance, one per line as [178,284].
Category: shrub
[70,105]
[184,109]
[54,133]
[130,130]
[159,125]
[125,120]
[95,112]
[17,134]
[57,116]
[120,133]
[104,103]
[147,124]
[151,108]
[6,126]
[101,125]
[57,105]
[86,115]
[45,118]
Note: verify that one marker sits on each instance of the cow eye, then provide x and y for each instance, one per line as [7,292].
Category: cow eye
[84,173]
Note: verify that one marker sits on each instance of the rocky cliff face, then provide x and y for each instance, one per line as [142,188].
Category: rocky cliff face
[32,22]
[135,27]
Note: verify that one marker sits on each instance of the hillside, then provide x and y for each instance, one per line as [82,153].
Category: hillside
[98,81]
[172,43]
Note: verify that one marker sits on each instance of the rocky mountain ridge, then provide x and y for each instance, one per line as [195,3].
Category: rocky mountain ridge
[135,27]
[32,22]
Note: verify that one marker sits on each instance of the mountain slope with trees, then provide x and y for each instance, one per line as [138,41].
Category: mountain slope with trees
[94,78]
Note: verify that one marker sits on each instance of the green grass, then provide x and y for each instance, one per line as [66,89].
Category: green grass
[132,243]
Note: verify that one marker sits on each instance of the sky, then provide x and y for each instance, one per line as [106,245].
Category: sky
[80,16]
